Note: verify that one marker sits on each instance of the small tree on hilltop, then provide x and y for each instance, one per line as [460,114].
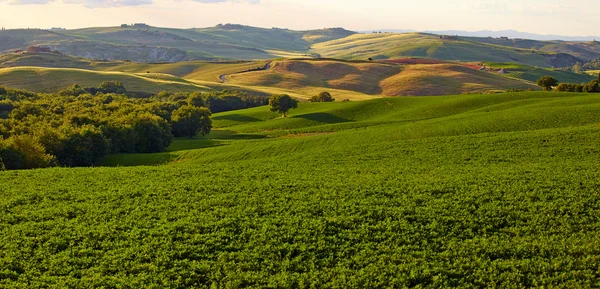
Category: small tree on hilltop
[190,120]
[547,82]
[322,97]
[282,103]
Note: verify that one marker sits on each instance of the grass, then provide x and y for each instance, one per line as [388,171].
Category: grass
[40,79]
[389,46]
[453,191]
[593,72]
[308,77]
[532,74]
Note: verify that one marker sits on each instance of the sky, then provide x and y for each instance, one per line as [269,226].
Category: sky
[559,17]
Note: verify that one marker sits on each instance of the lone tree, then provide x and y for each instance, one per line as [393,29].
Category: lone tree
[282,103]
[322,97]
[190,120]
[547,82]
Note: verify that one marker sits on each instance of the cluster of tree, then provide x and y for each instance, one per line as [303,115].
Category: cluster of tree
[593,64]
[216,101]
[77,128]
[322,97]
[549,83]
[105,87]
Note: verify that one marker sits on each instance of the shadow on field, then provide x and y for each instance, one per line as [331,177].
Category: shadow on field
[237,117]
[183,144]
[232,135]
[323,117]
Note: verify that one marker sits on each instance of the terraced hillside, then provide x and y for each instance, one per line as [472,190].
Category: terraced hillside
[454,191]
[389,45]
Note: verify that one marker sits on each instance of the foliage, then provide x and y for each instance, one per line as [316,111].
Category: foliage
[322,97]
[434,192]
[569,87]
[23,152]
[282,103]
[189,120]
[591,87]
[74,90]
[547,82]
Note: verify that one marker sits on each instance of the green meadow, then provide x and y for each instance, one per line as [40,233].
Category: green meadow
[495,190]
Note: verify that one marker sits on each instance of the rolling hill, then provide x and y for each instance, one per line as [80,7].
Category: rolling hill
[353,80]
[40,79]
[453,191]
[375,78]
[389,46]
[143,43]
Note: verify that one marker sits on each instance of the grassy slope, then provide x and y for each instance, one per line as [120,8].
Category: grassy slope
[533,73]
[299,78]
[236,42]
[480,190]
[386,46]
[583,50]
[41,79]
[375,78]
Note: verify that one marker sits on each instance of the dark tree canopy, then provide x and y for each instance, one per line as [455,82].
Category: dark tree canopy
[189,120]
[282,103]
[547,82]
[322,97]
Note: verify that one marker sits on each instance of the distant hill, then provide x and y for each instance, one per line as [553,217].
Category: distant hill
[496,34]
[375,78]
[144,43]
[451,48]
[353,79]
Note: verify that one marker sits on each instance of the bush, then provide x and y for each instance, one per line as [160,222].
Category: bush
[152,133]
[23,152]
[593,86]
[75,146]
[569,87]
[547,82]
[322,97]
[74,90]
[188,121]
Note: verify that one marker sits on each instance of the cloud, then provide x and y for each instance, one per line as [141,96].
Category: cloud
[27,2]
[108,3]
[223,1]
[115,3]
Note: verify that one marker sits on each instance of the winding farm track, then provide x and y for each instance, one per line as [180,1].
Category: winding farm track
[223,77]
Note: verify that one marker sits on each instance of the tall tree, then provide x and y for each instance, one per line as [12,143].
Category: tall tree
[282,103]
[547,82]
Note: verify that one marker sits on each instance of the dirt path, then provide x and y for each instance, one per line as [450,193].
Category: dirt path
[223,77]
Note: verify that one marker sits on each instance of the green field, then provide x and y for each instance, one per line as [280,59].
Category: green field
[41,79]
[532,74]
[353,80]
[390,46]
[433,192]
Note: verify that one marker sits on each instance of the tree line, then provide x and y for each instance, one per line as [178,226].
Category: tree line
[549,83]
[78,126]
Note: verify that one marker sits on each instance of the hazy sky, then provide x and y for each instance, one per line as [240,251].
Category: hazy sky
[572,18]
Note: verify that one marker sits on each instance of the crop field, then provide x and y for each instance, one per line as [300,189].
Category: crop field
[494,190]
